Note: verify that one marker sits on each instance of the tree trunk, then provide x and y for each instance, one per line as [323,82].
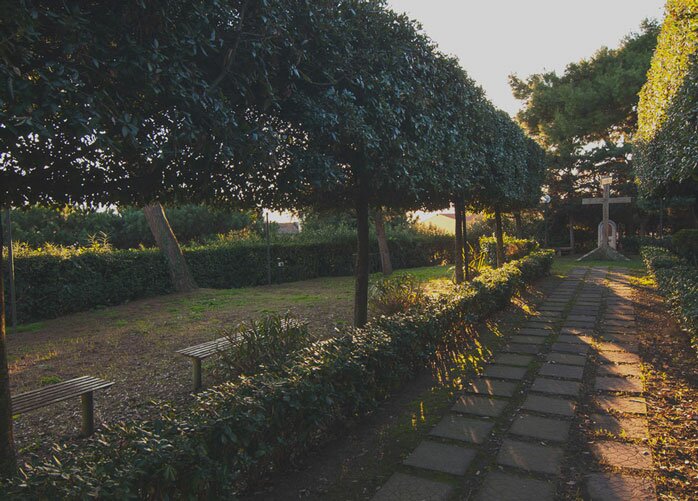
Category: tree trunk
[458,249]
[362,261]
[571,230]
[11,271]
[499,236]
[518,221]
[8,460]
[386,265]
[182,279]
[464,231]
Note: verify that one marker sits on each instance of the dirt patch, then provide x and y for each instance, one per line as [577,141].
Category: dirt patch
[134,345]
[671,380]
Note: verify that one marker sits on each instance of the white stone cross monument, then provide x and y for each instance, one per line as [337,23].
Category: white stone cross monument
[604,250]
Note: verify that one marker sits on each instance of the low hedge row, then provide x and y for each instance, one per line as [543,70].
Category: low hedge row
[514,248]
[51,284]
[239,431]
[678,282]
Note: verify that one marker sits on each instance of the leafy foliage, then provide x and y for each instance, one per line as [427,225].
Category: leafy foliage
[257,345]
[76,279]
[514,248]
[685,244]
[244,429]
[678,282]
[396,294]
[127,228]
[667,134]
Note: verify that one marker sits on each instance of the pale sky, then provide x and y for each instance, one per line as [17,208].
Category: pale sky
[494,38]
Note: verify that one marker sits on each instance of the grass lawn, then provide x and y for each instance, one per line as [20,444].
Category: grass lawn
[134,344]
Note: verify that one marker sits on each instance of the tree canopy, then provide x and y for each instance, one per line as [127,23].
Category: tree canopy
[666,143]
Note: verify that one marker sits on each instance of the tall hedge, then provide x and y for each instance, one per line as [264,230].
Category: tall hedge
[241,430]
[678,283]
[666,143]
[63,281]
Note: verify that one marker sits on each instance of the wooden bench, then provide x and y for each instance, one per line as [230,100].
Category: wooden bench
[200,352]
[83,387]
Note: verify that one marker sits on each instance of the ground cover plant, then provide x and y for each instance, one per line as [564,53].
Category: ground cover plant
[678,283]
[240,430]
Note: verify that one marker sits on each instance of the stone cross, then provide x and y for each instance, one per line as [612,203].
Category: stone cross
[606,200]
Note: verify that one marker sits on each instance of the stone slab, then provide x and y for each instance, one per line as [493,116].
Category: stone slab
[581,318]
[436,456]
[455,427]
[493,387]
[556,387]
[615,357]
[527,339]
[621,426]
[604,383]
[566,358]
[562,371]
[534,324]
[627,405]
[630,347]
[577,349]
[514,359]
[530,457]
[521,348]
[479,405]
[541,428]
[617,487]
[530,331]
[580,325]
[620,455]
[549,405]
[620,370]
[586,340]
[403,487]
[502,486]
[505,372]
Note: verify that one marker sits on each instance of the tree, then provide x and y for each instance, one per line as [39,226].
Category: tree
[130,102]
[585,119]
[666,143]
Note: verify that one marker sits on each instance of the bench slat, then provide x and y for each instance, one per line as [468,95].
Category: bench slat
[71,385]
[56,393]
[205,350]
[24,400]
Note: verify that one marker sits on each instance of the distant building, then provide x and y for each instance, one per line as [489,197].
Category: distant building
[447,221]
[292,228]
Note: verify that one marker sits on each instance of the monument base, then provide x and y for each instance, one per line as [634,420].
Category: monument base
[603,254]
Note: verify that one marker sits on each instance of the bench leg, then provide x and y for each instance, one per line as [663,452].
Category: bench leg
[88,420]
[196,373]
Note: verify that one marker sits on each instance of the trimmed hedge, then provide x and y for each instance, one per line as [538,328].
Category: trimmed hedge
[666,143]
[631,244]
[62,281]
[685,244]
[678,283]
[239,431]
[514,248]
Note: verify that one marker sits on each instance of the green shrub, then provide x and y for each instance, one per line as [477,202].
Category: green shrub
[396,294]
[124,229]
[241,430]
[685,244]
[514,248]
[631,244]
[260,344]
[678,283]
[54,281]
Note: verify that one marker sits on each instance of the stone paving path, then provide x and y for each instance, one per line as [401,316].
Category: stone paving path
[508,436]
